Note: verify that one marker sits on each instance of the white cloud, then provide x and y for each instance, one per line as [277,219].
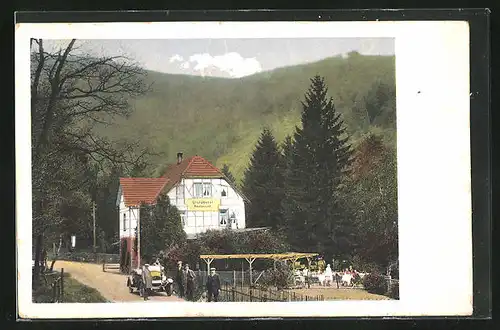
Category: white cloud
[176,58]
[185,65]
[231,63]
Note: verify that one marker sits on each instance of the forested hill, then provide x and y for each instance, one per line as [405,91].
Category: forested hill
[221,119]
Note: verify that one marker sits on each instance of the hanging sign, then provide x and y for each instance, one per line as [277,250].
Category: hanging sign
[203,204]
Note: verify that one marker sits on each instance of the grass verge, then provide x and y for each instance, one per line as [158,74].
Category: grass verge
[74,291]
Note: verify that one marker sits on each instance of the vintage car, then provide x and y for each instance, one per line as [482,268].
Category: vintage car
[159,280]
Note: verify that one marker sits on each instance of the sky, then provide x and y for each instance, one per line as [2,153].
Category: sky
[229,58]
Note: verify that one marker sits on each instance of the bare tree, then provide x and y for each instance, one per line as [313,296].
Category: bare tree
[72,95]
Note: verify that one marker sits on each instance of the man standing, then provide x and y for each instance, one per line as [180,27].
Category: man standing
[188,281]
[305,272]
[213,286]
[179,280]
[147,282]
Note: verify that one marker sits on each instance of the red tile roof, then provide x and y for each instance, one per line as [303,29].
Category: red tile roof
[200,167]
[137,190]
[191,167]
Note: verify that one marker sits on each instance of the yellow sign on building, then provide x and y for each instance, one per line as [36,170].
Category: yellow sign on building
[203,204]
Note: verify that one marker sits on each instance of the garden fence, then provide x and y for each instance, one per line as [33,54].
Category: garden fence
[252,294]
[58,288]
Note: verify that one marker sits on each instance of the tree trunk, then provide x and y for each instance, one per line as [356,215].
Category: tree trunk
[56,255]
[38,255]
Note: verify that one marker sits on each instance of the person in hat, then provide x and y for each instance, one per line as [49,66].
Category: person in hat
[179,280]
[188,281]
[213,286]
[147,282]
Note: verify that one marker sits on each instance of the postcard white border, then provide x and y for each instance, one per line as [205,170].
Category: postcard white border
[435,230]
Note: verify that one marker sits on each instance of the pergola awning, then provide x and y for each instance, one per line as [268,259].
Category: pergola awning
[250,257]
[273,256]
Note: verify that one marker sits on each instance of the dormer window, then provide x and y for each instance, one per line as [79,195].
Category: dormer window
[223,192]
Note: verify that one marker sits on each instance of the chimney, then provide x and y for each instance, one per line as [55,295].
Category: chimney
[179,157]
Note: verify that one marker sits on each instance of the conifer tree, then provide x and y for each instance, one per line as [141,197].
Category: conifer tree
[227,172]
[319,159]
[160,226]
[263,183]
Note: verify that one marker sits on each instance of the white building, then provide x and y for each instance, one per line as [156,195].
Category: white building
[203,195]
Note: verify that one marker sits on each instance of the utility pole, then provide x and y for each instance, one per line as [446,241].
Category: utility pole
[131,245]
[93,216]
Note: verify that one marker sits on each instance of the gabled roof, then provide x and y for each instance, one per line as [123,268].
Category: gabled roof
[191,167]
[141,190]
[195,167]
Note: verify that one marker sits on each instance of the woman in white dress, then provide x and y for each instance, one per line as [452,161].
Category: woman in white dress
[328,275]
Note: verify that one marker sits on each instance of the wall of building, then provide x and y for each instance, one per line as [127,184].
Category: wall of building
[228,209]
[128,219]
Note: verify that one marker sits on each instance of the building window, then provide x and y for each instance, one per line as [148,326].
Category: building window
[207,190]
[198,189]
[223,192]
[202,190]
[179,192]
[183,218]
[233,217]
[223,217]
[124,221]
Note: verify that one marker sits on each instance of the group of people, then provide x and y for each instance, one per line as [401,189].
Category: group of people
[186,281]
[327,276]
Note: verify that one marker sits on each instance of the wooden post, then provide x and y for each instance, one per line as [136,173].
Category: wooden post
[242,275]
[93,217]
[251,291]
[234,277]
[138,219]
[250,262]
[54,286]
[62,284]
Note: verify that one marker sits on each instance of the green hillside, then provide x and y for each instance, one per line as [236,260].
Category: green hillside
[221,119]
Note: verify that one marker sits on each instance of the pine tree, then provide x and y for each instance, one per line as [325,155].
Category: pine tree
[171,230]
[285,160]
[263,183]
[319,160]
[227,172]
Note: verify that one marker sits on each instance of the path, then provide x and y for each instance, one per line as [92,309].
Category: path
[111,285]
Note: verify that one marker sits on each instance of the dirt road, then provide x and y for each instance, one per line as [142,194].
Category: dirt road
[112,286]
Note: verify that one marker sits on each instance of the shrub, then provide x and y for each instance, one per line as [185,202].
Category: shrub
[394,291]
[375,283]
[281,277]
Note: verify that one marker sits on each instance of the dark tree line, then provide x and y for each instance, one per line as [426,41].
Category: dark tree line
[324,194]
[73,166]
